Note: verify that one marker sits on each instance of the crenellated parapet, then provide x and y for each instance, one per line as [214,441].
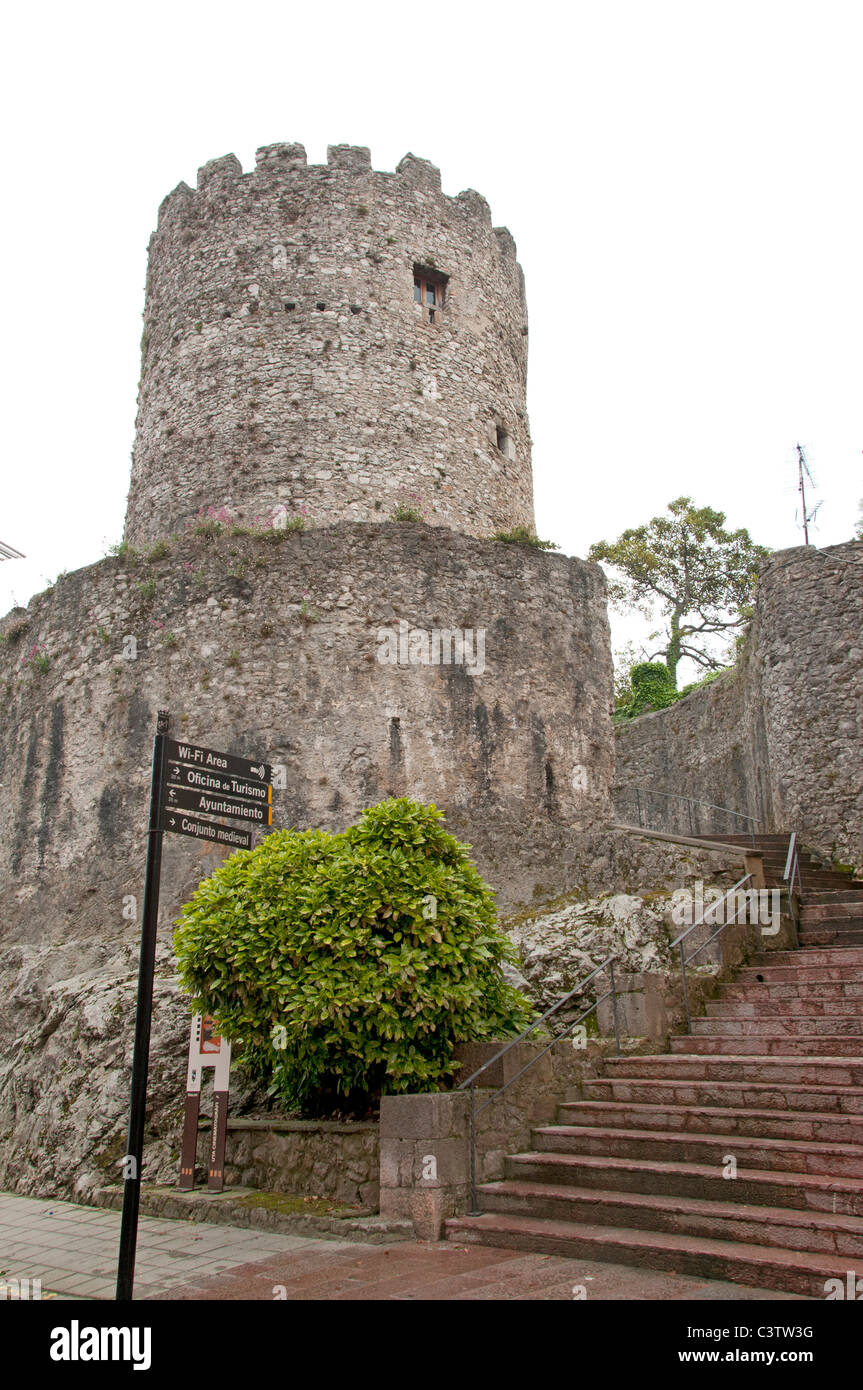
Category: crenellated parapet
[333,339]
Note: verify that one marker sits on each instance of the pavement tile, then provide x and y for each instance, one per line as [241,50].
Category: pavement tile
[74,1253]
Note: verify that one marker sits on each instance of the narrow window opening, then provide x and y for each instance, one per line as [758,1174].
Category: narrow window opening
[504,441]
[320,304]
[429,291]
[289,306]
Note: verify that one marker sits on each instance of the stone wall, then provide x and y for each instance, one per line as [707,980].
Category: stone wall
[315,1158]
[270,651]
[285,360]
[780,739]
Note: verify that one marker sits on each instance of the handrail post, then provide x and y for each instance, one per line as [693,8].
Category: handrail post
[473,1206]
[614,1009]
[685,990]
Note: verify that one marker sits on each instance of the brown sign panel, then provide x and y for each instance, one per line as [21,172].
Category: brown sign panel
[217,804]
[212,761]
[199,779]
[200,829]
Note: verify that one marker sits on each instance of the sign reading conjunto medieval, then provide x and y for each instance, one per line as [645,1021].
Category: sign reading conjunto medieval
[202,829]
[185,779]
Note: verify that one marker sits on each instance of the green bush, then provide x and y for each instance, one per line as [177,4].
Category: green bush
[652,688]
[520,535]
[348,964]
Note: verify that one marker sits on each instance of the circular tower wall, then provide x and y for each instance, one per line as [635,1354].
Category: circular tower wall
[333,339]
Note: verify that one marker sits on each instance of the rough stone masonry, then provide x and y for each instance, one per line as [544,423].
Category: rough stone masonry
[330,342]
[781,737]
[334,339]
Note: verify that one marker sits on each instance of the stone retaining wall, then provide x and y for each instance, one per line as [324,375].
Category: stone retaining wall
[780,738]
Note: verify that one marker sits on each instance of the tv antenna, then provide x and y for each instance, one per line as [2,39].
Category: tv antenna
[803,474]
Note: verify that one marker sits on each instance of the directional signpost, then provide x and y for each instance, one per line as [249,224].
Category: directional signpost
[184,778]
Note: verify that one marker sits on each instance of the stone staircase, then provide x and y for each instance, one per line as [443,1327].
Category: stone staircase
[738,1155]
[831,902]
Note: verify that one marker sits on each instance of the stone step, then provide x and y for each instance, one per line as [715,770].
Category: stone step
[836,895]
[781,992]
[796,1071]
[762,1153]
[783,1227]
[765,1045]
[756,1095]
[791,1026]
[715,1119]
[831,912]
[822,883]
[802,1191]
[805,974]
[791,1271]
[823,936]
[808,1006]
[843,956]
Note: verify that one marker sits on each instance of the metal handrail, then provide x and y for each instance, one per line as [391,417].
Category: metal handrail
[691,801]
[792,870]
[470,1081]
[678,941]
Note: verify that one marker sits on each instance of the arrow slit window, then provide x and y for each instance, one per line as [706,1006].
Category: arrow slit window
[429,292]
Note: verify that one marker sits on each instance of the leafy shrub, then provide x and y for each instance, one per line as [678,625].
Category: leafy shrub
[124,551]
[520,535]
[351,963]
[652,688]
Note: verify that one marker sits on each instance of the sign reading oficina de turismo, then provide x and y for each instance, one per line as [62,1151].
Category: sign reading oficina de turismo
[185,780]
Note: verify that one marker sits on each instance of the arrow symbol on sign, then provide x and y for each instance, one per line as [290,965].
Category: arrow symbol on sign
[172,795]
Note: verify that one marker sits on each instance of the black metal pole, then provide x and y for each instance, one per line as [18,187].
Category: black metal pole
[143,1015]
[474,1211]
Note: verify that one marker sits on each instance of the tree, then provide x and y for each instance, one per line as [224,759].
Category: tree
[343,965]
[700,576]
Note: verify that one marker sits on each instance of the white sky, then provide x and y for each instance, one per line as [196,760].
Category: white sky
[682,181]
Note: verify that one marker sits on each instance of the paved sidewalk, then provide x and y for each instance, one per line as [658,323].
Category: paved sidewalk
[73,1250]
[446,1272]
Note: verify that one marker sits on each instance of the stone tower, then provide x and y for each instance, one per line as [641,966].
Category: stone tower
[332,339]
[336,339]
